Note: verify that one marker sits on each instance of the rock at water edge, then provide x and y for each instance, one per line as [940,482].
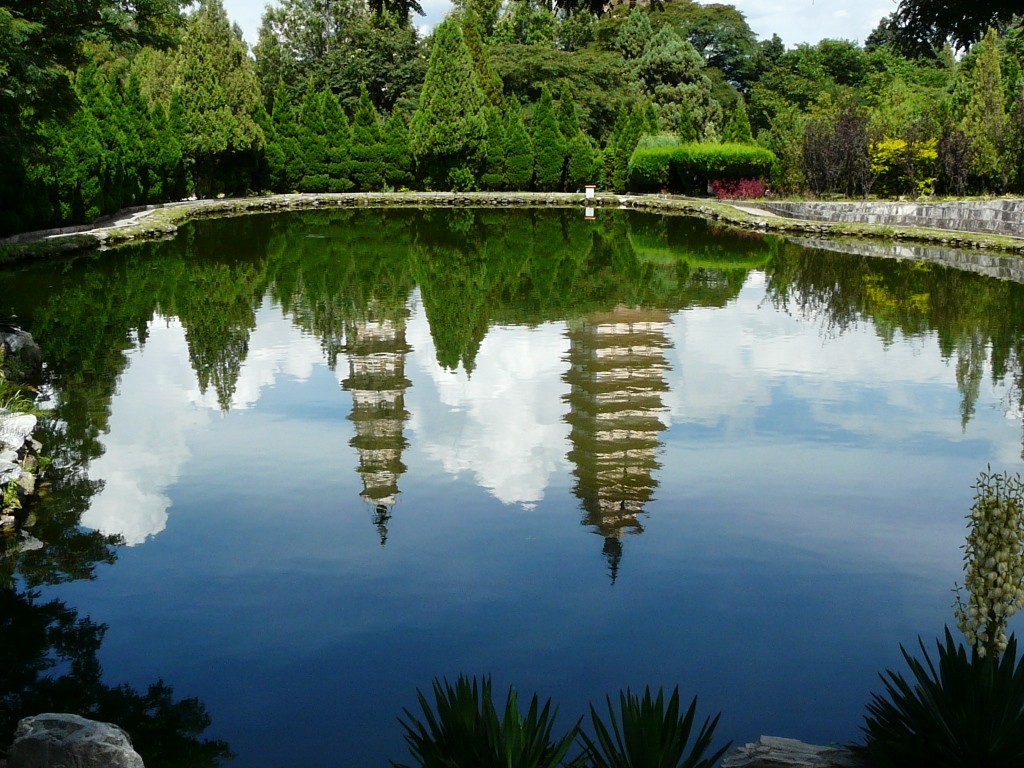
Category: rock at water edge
[55,740]
[15,429]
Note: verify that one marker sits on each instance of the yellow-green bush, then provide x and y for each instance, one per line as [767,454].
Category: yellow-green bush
[899,167]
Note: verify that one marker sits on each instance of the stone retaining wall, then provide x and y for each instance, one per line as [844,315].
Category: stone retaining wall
[995,217]
[995,265]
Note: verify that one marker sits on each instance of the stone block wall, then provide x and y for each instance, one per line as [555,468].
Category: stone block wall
[995,217]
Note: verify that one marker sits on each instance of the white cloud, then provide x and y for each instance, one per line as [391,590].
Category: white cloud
[276,348]
[150,417]
[809,21]
[504,423]
[158,407]
[728,366]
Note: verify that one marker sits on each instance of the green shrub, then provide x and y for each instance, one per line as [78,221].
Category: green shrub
[649,168]
[659,140]
[967,712]
[647,732]
[318,182]
[338,185]
[466,730]
[461,179]
[689,167]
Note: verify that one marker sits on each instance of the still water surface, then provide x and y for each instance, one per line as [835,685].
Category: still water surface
[347,452]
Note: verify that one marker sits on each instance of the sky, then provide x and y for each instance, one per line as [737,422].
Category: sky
[796,21]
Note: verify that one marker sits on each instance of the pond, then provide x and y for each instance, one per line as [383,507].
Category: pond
[309,462]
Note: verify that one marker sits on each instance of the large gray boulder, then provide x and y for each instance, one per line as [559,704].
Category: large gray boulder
[775,752]
[15,429]
[22,356]
[68,741]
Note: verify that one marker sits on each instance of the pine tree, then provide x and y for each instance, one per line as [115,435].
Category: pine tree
[634,35]
[549,145]
[219,95]
[367,150]
[985,120]
[671,73]
[737,130]
[579,167]
[312,141]
[448,128]
[285,163]
[397,158]
[629,131]
[490,83]
[519,160]
[338,136]
[494,174]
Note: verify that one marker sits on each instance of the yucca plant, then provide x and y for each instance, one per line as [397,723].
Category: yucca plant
[466,730]
[966,712]
[647,733]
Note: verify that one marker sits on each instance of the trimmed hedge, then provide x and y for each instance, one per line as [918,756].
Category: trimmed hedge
[690,167]
[649,168]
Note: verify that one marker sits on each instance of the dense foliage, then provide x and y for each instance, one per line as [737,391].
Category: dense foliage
[467,729]
[464,728]
[962,710]
[112,104]
[694,167]
[651,731]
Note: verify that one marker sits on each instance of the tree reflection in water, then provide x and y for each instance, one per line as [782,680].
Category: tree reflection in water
[48,663]
[349,279]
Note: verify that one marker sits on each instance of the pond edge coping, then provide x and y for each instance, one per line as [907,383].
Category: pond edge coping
[162,220]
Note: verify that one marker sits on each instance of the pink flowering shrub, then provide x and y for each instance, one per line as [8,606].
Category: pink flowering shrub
[738,189]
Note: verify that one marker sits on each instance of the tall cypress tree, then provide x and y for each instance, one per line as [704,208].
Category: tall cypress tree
[579,165]
[737,130]
[168,163]
[549,145]
[338,135]
[140,123]
[985,121]
[312,141]
[490,83]
[285,163]
[448,128]
[367,150]
[628,132]
[493,172]
[219,94]
[568,117]
[519,160]
[397,158]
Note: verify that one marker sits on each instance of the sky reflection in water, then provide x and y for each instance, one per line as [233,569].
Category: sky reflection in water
[798,514]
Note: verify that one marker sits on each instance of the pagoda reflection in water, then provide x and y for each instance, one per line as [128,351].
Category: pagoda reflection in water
[616,375]
[376,349]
